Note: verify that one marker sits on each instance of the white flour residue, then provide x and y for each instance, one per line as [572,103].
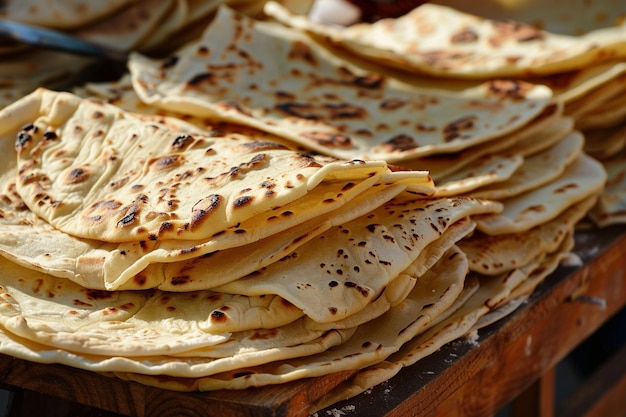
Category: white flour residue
[338,412]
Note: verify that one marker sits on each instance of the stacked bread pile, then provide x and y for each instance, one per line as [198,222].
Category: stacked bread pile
[141,246]
[577,50]
[150,26]
[289,226]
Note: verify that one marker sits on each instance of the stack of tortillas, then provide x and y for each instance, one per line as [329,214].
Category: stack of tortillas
[289,227]
[578,50]
[150,26]
[262,256]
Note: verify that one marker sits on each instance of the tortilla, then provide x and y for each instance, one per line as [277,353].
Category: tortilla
[537,169]
[59,14]
[605,143]
[588,103]
[430,298]
[608,114]
[80,181]
[52,310]
[493,255]
[553,15]
[549,126]
[317,99]
[457,322]
[380,372]
[366,254]
[463,45]
[394,292]
[486,171]
[127,29]
[611,207]
[570,86]
[370,343]
[582,179]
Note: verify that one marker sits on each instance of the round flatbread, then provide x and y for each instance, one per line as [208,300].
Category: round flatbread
[318,99]
[443,41]
[93,171]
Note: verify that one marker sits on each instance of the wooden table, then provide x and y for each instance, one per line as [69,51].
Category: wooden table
[512,361]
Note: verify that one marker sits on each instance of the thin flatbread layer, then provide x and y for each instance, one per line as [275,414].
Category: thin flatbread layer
[30,241]
[546,126]
[19,347]
[54,310]
[59,314]
[611,207]
[493,255]
[570,86]
[315,98]
[488,170]
[603,144]
[60,14]
[560,16]
[442,41]
[608,114]
[394,292]
[330,281]
[537,169]
[589,103]
[93,171]
[539,270]
[220,267]
[582,179]
[380,372]
[369,344]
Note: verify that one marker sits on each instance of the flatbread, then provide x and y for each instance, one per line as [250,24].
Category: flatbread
[609,114]
[57,311]
[431,297]
[380,372]
[371,342]
[537,169]
[582,179]
[394,292]
[560,16]
[81,182]
[588,103]
[493,255]
[59,14]
[605,143]
[489,170]
[611,207]
[570,86]
[223,266]
[457,322]
[549,126]
[30,241]
[317,99]
[451,43]
[366,254]
[127,29]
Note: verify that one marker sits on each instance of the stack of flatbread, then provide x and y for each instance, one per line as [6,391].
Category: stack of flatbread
[578,50]
[146,247]
[259,207]
[150,26]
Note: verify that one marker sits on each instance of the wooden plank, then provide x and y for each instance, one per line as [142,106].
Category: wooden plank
[462,379]
[133,399]
[74,385]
